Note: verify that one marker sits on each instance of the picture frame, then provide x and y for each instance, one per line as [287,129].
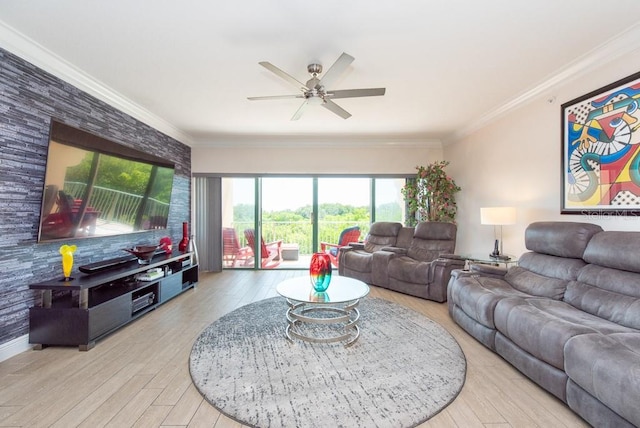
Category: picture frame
[601,151]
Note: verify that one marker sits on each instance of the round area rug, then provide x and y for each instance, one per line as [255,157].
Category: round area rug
[403,369]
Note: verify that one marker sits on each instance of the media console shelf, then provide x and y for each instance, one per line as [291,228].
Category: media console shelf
[80,311]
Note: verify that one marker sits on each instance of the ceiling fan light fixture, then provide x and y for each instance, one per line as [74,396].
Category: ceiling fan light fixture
[315,100]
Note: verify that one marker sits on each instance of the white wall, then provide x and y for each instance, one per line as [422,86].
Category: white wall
[516,161]
[327,160]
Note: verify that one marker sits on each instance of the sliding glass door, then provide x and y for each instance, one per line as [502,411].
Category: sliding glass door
[278,222]
[287,221]
[238,215]
[343,203]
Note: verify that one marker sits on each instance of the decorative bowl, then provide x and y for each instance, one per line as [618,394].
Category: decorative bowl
[144,253]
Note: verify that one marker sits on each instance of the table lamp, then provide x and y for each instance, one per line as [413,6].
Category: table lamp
[498,217]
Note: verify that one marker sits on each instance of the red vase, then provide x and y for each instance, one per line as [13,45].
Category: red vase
[184,242]
[320,271]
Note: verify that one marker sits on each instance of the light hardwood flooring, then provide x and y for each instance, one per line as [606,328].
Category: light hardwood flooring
[139,375]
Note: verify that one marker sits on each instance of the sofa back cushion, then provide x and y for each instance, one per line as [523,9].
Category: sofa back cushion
[609,287]
[544,275]
[404,237]
[432,238]
[555,259]
[382,234]
[560,238]
[617,250]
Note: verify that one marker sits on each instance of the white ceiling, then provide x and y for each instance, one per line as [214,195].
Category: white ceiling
[187,67]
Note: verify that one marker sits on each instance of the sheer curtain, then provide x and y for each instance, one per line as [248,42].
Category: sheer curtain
[208,222]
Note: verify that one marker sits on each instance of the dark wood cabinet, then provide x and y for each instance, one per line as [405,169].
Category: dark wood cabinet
[80,311]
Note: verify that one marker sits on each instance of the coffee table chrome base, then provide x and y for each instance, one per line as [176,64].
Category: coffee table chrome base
[302,312]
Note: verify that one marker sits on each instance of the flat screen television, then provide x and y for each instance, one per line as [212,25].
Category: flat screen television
[96,187]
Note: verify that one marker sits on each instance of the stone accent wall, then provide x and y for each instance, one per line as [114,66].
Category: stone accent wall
[29,98]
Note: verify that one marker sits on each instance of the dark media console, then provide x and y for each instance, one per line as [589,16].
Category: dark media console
[90,306]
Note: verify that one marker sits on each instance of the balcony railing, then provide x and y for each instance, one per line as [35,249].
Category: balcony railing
[299,232]
[116,206]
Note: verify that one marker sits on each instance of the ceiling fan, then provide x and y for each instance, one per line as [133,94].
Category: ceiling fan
[315,91]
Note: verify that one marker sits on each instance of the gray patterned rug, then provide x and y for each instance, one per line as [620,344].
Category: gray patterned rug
[404,369]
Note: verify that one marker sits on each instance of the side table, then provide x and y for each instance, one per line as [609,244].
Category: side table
[487,260]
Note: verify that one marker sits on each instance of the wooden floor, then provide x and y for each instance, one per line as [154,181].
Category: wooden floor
[139,376]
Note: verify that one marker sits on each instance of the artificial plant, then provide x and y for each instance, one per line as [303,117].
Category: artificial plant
[430,196]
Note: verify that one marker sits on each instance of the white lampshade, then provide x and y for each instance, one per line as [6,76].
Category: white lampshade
[498,215]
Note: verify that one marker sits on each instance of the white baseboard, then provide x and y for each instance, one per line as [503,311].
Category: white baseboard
[14,347]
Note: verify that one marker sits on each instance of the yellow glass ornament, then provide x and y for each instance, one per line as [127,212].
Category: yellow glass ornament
[67,259]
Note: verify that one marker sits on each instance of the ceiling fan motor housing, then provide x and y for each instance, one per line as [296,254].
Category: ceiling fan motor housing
[314,69]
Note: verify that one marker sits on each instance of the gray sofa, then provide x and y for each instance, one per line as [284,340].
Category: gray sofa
[416,261]
[568,316]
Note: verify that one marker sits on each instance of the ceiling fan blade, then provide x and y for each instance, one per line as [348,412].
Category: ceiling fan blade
[352,93]
[300,110]
[275,97]
[292,80]
[335,108]
[338,67]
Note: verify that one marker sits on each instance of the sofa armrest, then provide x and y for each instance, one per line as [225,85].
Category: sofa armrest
[439,275]
[380,267]
[396,250]
[355,246]
[461,273]
[348,248]
[488,270]
[445,266]
[452,257]
[342,251]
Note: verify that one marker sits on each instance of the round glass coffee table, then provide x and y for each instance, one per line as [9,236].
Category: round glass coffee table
[336,308]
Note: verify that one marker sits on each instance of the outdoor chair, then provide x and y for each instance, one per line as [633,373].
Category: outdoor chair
[347,236]
[271,252]
[232,252]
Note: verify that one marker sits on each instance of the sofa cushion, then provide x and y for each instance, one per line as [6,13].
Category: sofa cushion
[551,266]
[609,287]
[435,230]
[409,270]
[535,285]
[405,235]
[607,293]
[543,275]
[608,368]
[382,234]
[358,260]
[617,250]
[562,239]
[432,238]
[477,296]
[543,326]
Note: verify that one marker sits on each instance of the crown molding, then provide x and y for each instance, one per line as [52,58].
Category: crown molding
[232,141]
[612,49]
[27,49]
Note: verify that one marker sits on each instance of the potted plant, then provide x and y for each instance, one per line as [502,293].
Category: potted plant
[430,196]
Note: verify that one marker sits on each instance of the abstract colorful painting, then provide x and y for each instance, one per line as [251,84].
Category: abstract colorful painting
[601,151]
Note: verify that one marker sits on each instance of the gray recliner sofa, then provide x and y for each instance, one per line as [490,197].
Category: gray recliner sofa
[424,267]
[568,316]
[356,259]
[416,261]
